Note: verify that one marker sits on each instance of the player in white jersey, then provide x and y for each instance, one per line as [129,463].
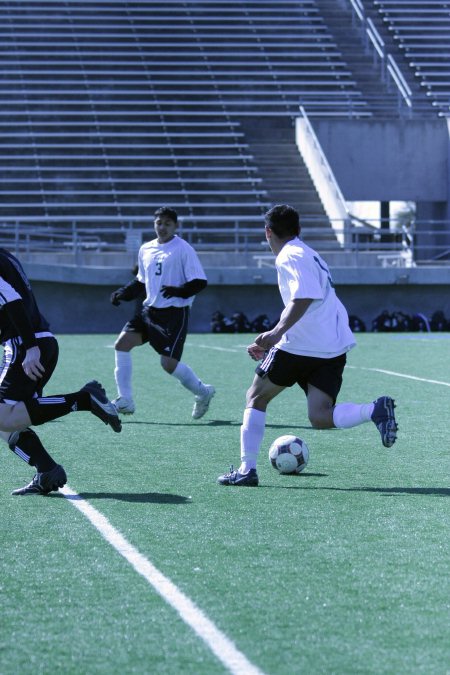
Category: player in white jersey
[308,347]
[170,275]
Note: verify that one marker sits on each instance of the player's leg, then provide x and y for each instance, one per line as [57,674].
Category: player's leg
[129,338]
[167,331]
[42,409]
[380,412]
[324,384]
[25,443]
[189,379]
[320,408]
[49,476]
[262,390]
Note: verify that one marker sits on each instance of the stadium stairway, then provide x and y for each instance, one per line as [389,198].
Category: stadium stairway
[376,87]
[421,33]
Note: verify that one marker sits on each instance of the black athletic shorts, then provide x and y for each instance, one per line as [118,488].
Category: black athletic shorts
[135,325]
[15,385]
[285,370]
[165,329]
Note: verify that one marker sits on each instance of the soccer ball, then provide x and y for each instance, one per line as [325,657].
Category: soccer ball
[289,454]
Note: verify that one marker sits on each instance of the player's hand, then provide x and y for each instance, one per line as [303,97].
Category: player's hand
[256,353]
[115,298]
[171,291]
[32,365]
[267,340]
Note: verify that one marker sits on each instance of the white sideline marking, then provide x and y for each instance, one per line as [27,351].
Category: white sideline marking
[409,377]
[375,370]
[218,349]
[218,643]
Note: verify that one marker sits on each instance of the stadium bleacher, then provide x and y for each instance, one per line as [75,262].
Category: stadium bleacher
[422,32]
[112,108]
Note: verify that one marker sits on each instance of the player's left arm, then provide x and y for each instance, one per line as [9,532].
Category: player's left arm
[187,290]
[18,317]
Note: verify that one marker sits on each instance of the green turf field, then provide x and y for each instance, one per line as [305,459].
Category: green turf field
[343,569]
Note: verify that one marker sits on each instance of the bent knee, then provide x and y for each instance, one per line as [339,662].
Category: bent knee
[321,421]
[12,417]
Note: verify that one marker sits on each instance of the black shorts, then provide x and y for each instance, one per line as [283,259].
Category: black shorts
[15,385]
[135,325]
[165,329]
[285,369]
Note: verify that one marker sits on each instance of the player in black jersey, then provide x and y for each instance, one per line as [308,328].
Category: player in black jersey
[30,355]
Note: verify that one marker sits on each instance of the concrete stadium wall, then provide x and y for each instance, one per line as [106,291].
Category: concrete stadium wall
[76,300]
[388,160]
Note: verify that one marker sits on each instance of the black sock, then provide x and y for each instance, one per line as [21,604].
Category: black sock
[27,445]
[47,408]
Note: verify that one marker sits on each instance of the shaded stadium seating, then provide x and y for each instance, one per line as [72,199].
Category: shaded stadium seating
[113,108]
[422,32]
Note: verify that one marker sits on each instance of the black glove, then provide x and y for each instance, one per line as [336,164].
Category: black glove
[115,298]
[173,292]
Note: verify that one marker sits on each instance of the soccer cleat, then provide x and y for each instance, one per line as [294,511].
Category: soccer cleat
[101,406]
[383,417]
[45,482]
[233,477]
[201,404]
[124,406]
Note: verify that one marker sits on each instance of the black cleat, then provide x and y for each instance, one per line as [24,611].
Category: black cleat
[101,406]
[383,417]
[233,477]
[45,482]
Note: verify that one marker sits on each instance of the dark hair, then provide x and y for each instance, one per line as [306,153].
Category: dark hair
[283,220]
[168,212]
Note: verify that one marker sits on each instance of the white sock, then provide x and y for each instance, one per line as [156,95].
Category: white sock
[347,415]
[189,379]
[252,433]
[122,373]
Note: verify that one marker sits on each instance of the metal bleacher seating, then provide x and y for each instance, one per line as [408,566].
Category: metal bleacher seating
[422,32]
[112,108]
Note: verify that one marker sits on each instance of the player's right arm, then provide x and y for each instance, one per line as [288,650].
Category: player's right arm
[292,313]
[129,292]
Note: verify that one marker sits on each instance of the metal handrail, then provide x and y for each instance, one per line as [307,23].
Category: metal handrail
[321,174]
[388,64]
[76,242]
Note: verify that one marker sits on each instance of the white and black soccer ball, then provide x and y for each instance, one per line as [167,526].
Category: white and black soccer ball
[289,454]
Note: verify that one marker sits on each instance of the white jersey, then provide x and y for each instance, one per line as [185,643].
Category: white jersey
[171,264]
[323,331]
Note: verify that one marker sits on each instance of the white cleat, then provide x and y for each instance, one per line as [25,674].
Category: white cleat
[201,404]
[124,406]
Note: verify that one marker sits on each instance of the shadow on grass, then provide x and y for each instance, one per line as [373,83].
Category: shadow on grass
[386,491]
[213,423]
[140,497]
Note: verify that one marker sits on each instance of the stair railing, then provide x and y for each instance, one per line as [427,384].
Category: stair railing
[322,176]
[372,39]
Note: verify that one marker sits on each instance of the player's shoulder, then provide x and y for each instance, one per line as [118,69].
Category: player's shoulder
[183,245]
[291,251]
[148,245]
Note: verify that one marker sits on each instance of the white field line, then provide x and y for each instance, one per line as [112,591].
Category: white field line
[375,370]
[218,349]
[408,377]
[221,646]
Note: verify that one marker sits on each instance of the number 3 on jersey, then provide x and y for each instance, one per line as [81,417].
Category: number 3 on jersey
[158,268]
